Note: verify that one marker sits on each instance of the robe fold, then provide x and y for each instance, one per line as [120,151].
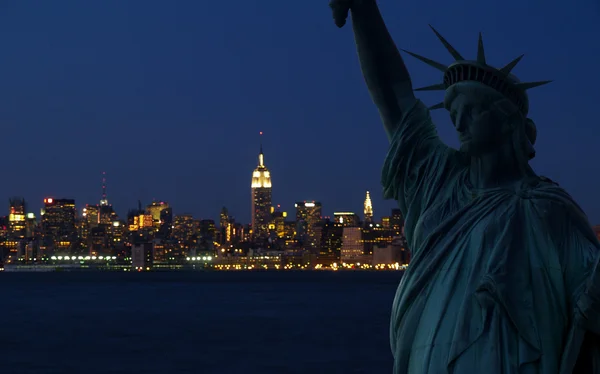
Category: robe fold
[497,276]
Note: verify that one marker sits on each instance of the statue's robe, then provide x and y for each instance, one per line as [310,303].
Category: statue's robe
[495,274]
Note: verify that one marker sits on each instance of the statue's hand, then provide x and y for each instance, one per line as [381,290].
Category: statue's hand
[340,10]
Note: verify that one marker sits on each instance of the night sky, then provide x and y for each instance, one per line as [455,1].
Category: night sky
[168,97]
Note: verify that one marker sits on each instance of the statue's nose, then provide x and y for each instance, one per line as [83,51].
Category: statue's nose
[460,124]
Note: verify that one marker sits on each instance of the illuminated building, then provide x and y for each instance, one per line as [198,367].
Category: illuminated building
[368,209]
[185,231]
[16,218]
[230,232]
[225,227]
[223,217]
[96,224]
[290,229]
[352,244]
[142,255]
[3,227]
[90,218]
[58,223]
[308,214]
[145,221]
[331,239]
[261,199]
[139,220]
[118,232]
[346,219]
[107,215]
[279,223]
[397,222]
[155,209]
[246,233]
[238,232]
[161,251]
[91,215]
[385,222]
[31,226]
[29,250]
[16,226]
[375,235]
[98,241]
[4,250]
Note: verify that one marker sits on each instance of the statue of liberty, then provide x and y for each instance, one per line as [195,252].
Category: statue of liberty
[504,275]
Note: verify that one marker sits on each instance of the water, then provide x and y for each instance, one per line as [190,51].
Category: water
[219,322]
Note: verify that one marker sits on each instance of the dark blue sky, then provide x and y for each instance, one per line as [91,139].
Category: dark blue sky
[168,97]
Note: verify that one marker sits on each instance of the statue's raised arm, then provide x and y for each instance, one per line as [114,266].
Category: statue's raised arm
[383,68]
[417,158]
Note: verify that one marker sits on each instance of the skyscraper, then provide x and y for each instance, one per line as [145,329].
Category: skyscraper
[58,223]
[106,213]
[308,214]
[261,199]
[16,218]
[224,227]
[368,211]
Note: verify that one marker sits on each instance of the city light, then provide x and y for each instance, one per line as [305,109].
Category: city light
[150,237]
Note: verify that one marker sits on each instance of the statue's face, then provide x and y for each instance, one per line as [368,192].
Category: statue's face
[480,128]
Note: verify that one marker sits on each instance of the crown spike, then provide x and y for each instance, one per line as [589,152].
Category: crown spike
[507,69]
[437,65]
[529,85]
[480,51]
[433,87]
[437,106]
[449,47]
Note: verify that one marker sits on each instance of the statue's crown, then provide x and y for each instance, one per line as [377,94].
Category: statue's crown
[462,70]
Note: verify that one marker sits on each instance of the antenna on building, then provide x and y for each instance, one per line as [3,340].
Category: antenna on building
[260,134]
[261,157]
[103,201]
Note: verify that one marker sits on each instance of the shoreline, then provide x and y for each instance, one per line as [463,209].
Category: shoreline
[175,269]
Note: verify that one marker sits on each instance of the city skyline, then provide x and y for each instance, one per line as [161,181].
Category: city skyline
[169,100]
[104,199]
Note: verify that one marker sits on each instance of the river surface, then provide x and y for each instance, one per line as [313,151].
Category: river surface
[196,322]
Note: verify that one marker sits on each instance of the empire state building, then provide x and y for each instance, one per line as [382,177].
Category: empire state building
[261,199]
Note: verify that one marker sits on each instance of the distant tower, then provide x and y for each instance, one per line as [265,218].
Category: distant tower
[224,217]
[106,213]
[368,209]
[261,198]
[225,226]
[103,201]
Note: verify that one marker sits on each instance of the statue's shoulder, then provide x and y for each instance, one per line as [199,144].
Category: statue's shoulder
[547,180]
[533,186]
[551,200]
[546,194]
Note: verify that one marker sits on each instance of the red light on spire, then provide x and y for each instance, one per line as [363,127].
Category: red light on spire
[260,133]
